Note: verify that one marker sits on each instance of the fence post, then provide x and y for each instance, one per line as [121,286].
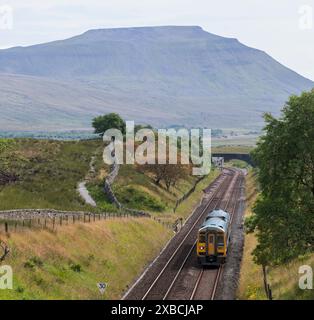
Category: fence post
[6,226]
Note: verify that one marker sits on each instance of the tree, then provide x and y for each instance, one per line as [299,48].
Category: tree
[284,213]
[167,173]
[109,121]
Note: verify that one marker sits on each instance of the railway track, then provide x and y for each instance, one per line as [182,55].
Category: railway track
[179,277]
[206,275]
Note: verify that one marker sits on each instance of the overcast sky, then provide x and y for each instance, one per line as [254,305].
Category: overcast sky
[282,28]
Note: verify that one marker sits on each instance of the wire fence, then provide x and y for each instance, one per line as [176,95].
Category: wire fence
[38,219]
[17,220]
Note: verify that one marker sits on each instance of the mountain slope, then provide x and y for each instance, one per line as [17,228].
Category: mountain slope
[164,75]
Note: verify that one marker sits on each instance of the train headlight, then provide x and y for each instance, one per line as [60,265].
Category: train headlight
[202,248]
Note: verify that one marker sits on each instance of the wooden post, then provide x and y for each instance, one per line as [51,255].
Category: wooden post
[53,223]
[6,227]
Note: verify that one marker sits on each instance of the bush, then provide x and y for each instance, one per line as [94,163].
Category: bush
[33,262]
[75,267]
[136,199]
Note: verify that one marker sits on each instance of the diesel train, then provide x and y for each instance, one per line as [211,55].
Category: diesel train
[213,238]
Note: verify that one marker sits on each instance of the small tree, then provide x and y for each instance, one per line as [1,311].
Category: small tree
[109,121]
[167,173]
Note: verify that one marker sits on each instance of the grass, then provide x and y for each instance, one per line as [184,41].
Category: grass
[133,197]
[238,164]
[283,279]
[48,174]
[69,264]
[251,277]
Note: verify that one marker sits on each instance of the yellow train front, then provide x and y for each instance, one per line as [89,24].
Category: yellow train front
[213,238]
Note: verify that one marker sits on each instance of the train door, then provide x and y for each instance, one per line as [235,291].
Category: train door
[211,244]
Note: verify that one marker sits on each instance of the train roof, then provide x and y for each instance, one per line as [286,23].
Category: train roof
[218,214]
[215,224]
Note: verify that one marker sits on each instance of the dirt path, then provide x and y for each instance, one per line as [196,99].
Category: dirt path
[85,194]
[82,185]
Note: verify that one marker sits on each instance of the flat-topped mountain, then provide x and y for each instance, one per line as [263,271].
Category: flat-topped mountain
[162,75]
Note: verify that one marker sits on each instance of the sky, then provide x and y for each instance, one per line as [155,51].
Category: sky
[282,28]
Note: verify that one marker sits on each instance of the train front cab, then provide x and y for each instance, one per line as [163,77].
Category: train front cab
[212,246]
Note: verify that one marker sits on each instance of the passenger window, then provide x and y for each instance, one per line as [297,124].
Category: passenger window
[201,238]
[220,240]
[211,239]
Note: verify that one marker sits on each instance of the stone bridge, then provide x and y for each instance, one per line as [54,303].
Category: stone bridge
[239,156]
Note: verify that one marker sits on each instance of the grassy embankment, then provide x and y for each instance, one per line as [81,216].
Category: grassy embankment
[283,279]
[69,264]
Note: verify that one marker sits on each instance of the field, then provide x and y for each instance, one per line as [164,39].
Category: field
[283,279]
[239,141]
[232,149]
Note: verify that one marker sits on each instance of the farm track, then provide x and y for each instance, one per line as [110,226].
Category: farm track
[175,273]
